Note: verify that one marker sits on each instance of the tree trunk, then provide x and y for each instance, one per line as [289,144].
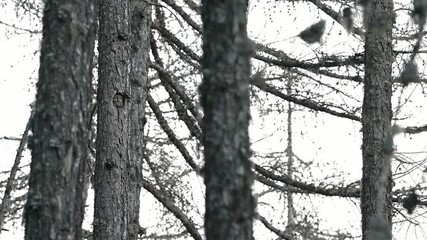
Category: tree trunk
[55,205]
[113,156]
[377,146]
[225,99]
[140,45]
[122,90]
[289,154]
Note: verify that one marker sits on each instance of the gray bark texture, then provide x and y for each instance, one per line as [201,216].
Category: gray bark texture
[225,100]
[60,127]
[377,148]
[113,126]
[140,47]
[123,55]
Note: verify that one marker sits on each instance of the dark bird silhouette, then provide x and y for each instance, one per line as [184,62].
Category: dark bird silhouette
[420,11]
[409,74]
[347,19]
[410,202]
[313,33]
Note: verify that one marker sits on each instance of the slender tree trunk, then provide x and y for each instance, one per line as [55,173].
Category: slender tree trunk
[55,204]
[225,99]
[289,154]
[140,45]
[113,157]
[376,119]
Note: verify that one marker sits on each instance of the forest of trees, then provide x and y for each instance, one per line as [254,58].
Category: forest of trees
[219,119]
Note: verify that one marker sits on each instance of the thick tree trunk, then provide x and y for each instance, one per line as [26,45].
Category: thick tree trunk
[376,119]
[55,205]
[225,99]
[122,90]
[112,166]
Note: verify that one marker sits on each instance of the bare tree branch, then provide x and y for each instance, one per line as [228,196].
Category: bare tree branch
[20,28]
[181,109]
[184,15]
[303,102]
[188,224]
[9,185]
[270,227]
[10,138]
[414,130]
[283,60]
[311,188]
[172,39]
[171,135]
[191,4]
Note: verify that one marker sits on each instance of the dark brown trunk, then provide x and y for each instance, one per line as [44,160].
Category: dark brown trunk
[225,99]
[376,119]
[60,127]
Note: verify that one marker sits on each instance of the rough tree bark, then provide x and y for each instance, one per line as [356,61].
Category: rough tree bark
[122,90]
[225,100]
[112,166]
[377,145]
[140,47]
[55,204]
